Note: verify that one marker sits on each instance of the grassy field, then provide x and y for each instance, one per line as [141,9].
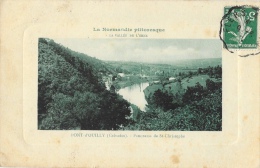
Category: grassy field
[175,87]
[188,82]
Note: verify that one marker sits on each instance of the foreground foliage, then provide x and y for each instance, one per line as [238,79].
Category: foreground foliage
[196,108]
[71,94]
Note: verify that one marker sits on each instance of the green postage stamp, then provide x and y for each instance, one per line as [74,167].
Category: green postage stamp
[240,27]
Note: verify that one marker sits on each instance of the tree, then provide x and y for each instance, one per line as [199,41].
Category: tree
[162,99]
[200,71]
[193,93]
[70,93]
[113,114]
[68,112]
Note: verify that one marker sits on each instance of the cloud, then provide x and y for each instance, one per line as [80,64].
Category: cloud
[155,54]
[148,50]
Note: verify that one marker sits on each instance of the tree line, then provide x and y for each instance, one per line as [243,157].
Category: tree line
[196,108]
[71,94]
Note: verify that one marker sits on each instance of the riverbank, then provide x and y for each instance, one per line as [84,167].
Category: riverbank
[131,80]
[134,94]
[123,84]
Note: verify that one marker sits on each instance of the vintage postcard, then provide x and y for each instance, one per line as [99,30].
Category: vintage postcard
[129,84]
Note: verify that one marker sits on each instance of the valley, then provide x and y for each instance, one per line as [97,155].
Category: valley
[77,91]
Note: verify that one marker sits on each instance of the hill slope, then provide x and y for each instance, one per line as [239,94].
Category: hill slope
[71,94]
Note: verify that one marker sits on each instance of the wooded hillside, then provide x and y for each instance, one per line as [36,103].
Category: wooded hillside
[71,94]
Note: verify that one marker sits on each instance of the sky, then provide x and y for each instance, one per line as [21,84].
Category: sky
[145,50]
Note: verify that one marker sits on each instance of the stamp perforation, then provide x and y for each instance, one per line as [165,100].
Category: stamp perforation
[239,29]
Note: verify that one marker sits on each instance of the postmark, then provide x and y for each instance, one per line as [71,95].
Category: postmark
[239,29]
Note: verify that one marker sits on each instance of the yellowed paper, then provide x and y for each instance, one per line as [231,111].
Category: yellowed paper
[22,144]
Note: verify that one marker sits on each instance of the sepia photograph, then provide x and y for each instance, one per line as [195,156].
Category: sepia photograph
[130,84]
[138,84]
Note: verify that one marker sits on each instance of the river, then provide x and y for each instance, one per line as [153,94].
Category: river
[135,95]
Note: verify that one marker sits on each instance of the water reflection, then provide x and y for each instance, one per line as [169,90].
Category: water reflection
[135,95]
